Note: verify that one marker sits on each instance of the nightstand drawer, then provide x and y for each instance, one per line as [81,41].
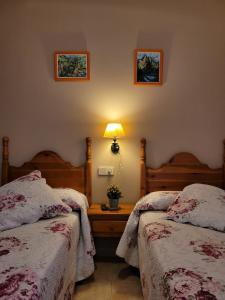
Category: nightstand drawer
[106,223]
[102,227]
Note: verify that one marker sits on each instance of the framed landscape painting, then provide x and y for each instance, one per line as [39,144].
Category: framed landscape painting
[148,67]
[72,65]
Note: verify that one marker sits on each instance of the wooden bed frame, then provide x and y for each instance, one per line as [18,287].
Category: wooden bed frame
[58,173]
[182,169]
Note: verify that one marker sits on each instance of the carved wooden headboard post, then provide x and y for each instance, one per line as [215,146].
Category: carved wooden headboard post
[143,166]
[5,159]
[88,187]
[224,164]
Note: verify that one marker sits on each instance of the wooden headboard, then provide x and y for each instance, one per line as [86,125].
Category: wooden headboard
[181,170]
[58,173]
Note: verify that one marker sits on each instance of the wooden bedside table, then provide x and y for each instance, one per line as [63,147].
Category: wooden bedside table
[105,223]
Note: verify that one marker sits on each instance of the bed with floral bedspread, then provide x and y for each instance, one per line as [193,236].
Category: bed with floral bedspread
[38,261]
[178,261]
[45,240]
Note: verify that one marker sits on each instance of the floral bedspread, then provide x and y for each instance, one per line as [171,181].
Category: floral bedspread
[86,247]
[128,245]
[42,260]
[180,261]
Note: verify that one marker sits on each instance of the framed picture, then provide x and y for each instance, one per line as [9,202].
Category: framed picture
[72,65]
[148,67]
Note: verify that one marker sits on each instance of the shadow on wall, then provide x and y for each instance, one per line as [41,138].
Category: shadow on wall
[55,41]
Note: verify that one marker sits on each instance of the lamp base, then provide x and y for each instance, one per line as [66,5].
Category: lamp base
[115,148]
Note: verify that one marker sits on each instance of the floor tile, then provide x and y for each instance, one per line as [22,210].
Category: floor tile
[111,281]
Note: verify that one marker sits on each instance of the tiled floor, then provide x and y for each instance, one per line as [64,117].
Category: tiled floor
[111,281]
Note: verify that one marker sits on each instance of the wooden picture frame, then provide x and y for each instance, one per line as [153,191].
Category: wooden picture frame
[72,65]
[148,67]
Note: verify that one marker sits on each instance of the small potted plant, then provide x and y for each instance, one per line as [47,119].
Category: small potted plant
[114,194]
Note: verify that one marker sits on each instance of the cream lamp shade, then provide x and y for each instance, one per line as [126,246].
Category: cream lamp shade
[114,130]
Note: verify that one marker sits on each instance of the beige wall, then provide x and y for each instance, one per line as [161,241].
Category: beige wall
[186,113]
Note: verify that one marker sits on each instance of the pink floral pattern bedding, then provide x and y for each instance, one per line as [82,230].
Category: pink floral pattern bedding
[201,205]
[155,201]
[180,261]
[28,199]
[42,260]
